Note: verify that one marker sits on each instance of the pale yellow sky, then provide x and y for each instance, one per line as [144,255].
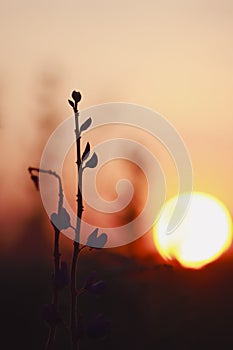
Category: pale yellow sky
[174,56]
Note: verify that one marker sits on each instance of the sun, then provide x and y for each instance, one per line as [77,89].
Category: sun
[203,235]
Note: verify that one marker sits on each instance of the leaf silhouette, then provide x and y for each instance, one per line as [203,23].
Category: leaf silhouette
[91,278]
[71,103]
[86,152]
[97,241]
[61,220]
[86,125]
[93,285]
[97,288]
[92,162]
[35,180]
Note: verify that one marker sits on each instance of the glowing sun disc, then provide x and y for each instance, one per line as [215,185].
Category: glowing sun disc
[203,235]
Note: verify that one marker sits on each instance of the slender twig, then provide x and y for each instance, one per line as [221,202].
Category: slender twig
[76,250]
[56,255]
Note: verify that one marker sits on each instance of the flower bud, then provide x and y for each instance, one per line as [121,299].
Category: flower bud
[76,96]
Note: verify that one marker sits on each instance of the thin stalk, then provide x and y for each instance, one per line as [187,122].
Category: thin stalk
[76,250]
[56,254]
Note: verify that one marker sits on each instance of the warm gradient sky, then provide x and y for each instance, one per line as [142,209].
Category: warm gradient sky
[174,56]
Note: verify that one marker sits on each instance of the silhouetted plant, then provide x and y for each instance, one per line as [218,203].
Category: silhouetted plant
[98,326]
[50,312]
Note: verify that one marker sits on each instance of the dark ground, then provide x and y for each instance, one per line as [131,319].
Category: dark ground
[148,306]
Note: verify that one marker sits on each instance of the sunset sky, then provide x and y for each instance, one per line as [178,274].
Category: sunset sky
[172,56]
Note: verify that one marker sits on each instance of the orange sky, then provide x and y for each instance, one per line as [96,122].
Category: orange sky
[174,56]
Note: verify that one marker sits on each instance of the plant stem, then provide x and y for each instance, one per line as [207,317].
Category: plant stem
[74,341]
[56,255]
[74,311]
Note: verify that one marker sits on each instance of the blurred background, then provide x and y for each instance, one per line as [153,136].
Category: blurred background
[174,57]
